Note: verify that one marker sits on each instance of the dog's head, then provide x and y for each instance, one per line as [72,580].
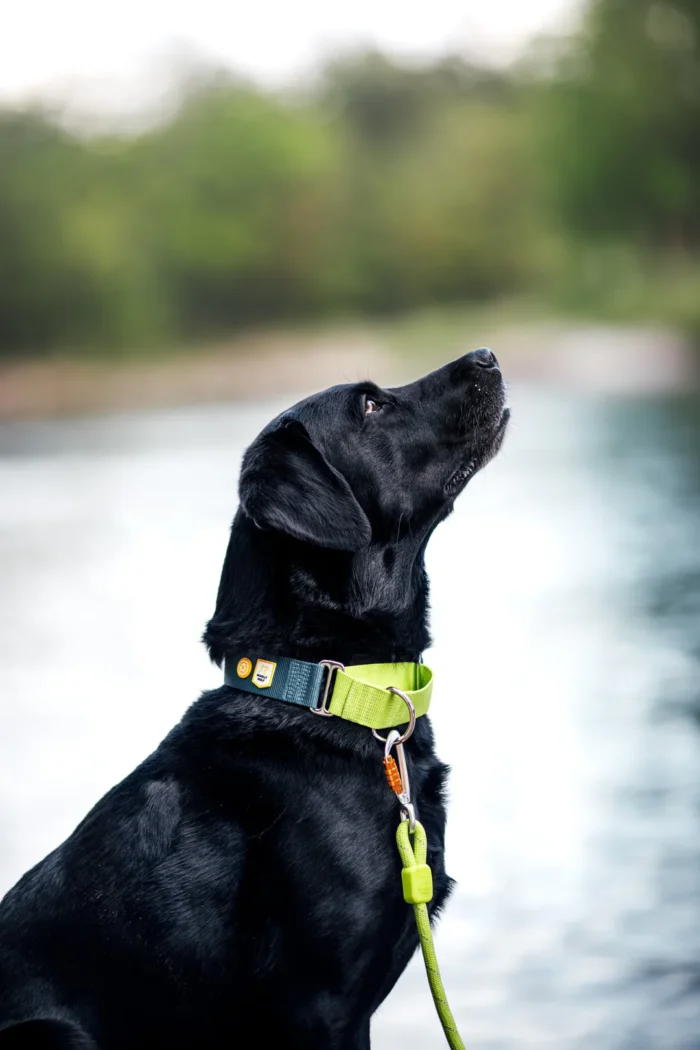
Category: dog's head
[356,464]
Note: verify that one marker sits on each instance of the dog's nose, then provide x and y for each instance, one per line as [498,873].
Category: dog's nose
[484,358]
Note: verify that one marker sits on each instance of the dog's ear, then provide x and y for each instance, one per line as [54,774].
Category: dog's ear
[288,485]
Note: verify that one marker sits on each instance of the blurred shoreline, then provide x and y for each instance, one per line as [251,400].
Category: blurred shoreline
[270,363]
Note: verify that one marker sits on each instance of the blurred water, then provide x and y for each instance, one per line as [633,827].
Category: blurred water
[566,598]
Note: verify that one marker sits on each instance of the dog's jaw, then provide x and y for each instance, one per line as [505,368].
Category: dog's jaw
[461,477]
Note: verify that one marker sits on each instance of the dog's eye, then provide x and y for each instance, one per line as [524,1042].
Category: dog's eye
[370,406]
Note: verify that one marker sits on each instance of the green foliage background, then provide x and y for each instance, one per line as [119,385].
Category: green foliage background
[572,179]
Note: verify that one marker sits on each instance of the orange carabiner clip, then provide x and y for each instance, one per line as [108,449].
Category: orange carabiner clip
[393,776]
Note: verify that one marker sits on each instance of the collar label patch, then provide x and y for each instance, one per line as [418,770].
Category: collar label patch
[264,673]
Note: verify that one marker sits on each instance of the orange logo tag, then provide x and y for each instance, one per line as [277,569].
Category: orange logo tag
[244,667]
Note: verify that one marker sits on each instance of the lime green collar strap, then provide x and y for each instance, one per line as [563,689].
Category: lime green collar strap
[359,693]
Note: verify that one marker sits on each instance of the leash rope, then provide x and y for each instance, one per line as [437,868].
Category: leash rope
[417,881]
[416,876]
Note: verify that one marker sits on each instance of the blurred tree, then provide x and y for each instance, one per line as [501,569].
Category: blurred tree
[233,190]
[382,101]
[623,123]
[72,271]
[434,181]
[39,283]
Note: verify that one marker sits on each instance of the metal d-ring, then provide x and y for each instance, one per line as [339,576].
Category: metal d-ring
[411,717]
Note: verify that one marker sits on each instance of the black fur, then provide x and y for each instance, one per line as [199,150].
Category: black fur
[242,885]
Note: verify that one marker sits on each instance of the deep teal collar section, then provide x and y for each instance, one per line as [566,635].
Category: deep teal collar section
[294,681]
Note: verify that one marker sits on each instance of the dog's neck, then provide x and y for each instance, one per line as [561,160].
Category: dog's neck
[280,597]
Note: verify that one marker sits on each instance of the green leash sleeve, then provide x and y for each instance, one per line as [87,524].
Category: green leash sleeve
[418,890]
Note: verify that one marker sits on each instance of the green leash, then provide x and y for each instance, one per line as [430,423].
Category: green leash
[416,876]
[417,882]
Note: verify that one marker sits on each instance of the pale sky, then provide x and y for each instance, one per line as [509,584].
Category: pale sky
[110,53]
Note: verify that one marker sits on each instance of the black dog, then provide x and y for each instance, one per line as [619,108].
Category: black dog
[243,883]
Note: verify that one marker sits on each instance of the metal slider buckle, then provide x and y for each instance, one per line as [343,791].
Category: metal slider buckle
[322,709]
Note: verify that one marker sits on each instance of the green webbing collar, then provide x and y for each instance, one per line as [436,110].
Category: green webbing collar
[357,694]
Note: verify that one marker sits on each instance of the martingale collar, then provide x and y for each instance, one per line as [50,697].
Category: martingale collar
[359,693]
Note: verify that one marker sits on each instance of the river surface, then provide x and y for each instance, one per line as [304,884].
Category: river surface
[566,613]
